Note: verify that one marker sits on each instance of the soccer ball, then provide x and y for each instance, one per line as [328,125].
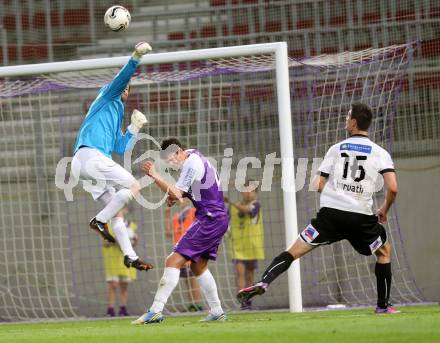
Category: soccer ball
[117,18]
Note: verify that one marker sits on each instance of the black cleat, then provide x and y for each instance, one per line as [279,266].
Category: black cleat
[102,229]
[247,293]
[138,264]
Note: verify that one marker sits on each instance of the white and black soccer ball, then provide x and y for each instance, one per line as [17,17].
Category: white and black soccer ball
[117,18]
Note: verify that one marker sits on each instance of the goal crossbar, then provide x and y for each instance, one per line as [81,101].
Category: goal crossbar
[281,66]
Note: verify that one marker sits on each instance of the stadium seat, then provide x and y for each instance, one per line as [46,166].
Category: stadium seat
[405,15]
[9,22]
[338,20]
[240,29]
[176,35]
[78,16]
[208,31]
[304,24]
[371,18]
[273,26]
[329,50]
[430,48]
[435,12]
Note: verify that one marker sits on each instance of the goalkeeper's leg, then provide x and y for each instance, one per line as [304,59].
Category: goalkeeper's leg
[131,259]
[100,175]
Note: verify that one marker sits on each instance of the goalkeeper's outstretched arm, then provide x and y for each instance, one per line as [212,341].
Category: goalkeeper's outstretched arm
[121,80]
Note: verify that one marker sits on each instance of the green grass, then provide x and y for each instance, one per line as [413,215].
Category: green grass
[415,324]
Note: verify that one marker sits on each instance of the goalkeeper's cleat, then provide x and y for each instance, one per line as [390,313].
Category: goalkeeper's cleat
[248,293]
[390,309]
[149,318]
[102,229]
[215,318]
[138,263]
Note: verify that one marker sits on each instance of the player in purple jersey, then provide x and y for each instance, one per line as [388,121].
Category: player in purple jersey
[200,183]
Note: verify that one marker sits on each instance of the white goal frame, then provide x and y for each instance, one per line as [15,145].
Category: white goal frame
[279,49]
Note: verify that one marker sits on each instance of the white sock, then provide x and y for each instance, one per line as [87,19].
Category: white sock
[209,290]
[167,284]
[122,237]
[119,200]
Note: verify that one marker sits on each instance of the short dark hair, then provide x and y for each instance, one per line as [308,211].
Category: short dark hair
[169,146]
[170,141]
[362,114]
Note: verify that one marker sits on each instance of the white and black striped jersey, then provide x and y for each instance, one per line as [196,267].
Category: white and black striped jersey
[353,168]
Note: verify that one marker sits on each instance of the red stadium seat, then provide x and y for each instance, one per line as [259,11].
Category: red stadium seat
[208,31]
[240,29]
[361,46]
[217,3]
[176,35]
[54,18]
[9,22]
[31,51]
[431,48]
[338,21]
[304,24]
[329,50]
[371,18]
[405,15]
[25,22]
[28,51]
[78,16]
[435,12]
[273,26]
[298,53]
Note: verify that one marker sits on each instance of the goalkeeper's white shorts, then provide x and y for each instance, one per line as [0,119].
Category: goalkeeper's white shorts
[99,174]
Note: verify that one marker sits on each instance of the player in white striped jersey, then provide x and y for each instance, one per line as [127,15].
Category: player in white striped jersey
[350,173]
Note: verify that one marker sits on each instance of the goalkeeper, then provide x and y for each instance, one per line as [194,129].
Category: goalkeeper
[99,136]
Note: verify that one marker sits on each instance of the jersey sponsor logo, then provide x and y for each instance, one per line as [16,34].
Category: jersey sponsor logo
[187,181]
[356,147]
[309,233]
[376,244]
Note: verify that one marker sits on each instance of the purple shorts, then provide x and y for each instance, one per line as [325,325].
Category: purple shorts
[203,238]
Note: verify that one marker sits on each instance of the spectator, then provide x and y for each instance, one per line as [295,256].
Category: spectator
[116,273]
[247,238]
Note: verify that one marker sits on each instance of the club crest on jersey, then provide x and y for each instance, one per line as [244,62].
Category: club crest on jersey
[309,233]
[376,244]
[356,147]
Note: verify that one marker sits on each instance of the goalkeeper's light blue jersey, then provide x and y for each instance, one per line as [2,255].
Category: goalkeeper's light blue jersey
[101,128]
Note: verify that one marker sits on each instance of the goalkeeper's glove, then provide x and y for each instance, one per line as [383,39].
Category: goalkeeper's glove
[140,50]
[138,120]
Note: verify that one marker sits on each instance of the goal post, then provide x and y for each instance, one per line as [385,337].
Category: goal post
[281,66]
[240,106]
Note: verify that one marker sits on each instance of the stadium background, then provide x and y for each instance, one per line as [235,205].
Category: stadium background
[42,31]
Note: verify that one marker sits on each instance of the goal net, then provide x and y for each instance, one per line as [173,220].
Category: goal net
[52,264]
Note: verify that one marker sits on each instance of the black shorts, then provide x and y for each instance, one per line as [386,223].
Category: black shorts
[363,231]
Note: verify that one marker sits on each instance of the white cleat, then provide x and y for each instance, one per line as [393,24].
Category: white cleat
[215,318]
[149,318]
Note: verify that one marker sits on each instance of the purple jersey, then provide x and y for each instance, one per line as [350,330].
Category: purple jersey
[201,183]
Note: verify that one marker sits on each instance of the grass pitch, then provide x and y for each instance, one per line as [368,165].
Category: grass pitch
[415,324]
